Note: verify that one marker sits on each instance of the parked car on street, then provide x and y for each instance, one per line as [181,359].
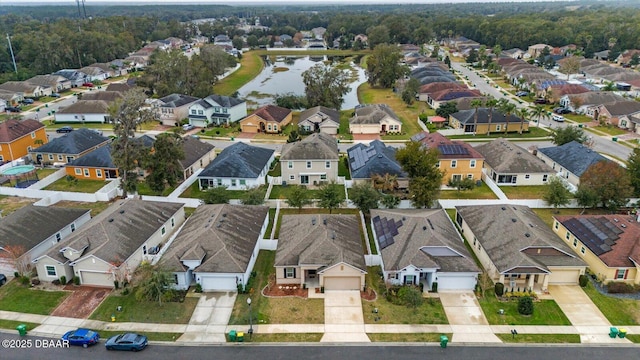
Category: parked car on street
[81,337]
[540,101]
[88,84]
[128,341]
[27,101]
[13,109]
[64,129]
[3,279]
[187,127]
[55,95]
[558,118]
[522,93]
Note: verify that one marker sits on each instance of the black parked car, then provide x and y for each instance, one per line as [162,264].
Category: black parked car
[27,101]
[64,129]
[3,279]
[13,109]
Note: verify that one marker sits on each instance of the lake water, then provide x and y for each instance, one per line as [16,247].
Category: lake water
[268,83]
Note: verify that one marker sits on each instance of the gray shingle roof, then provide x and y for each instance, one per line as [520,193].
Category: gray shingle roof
[306,239]
[507,231]
[323,112]
[108,96]
[98,158]
[317,146]
[239,161]
[117,232]
[194,149]
[618,108]
[86,107]
[420,230]
[506,157]
[219,100]
[223,236]
[573,156]
[467,116]
[372,114]
[18,227]
[177,100]
[377,158]
[596,97]
[74,142]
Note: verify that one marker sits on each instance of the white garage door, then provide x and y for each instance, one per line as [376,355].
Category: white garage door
[198,123]
[564,276]
[453,282]
[96,278]
[215,283]
[342,283]
[6,267]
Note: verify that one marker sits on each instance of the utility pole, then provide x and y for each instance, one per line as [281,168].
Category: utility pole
[15,68]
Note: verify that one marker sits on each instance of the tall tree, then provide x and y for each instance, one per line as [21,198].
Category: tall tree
[633,168]
[556,192]
[610,182]
[127,114]
[523,114]
[154,283]
[570,65]
[364,197]
[331,196]
[298,197]
[446,109]
[539,112]
[163,162]
[253,196]
[490,104]
[475,104]
[384,67]
[325,86]
[507,108]
[378,35]
[568,134]
[217,195]
[586,197]
[410,91]
[425,178]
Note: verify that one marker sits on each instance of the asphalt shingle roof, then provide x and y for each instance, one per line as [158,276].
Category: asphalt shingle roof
[193,149]
[323,112]
[467,116]
[10,130]
[177,100]
[317,146]
[573,156]
[272,113]
[98,158]
[74,142]
[222,236]
[86,107]
[239,161]
[506,157]
[372,114]
[377,158]
[219,100]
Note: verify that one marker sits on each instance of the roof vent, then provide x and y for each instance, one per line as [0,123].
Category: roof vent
[324,221]
[110,220]
[623,225]
[424,228]
[527,234]
[219,225]
[430,224]
[404,218]
[504,208]
[121,211]
[224,215]
[513,220]
[615,219]
[313,221]
[333,236]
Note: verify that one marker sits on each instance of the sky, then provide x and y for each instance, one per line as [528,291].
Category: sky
[250,2]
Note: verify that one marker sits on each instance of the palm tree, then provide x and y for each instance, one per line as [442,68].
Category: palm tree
[523,113]
[491,103]
[475,103]
[540,113]
[507,109]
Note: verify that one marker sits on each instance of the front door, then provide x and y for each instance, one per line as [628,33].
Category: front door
[304,179]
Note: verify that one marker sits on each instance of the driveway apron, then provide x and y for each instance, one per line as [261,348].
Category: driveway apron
[343,318]
[468,323]
[210,318]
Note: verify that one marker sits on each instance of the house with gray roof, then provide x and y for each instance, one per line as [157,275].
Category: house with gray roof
[110,247]
[84,111]
[374,119]
[172,109]
[97,73]
[96,165]
[108,96]
[197,155]
[68,147]
[319,119]
[217,110]
[517,248]
[56,82]
[507,164]
[587,103]
[26,89]
[217,247]
[422,247]
[76,77]
[486,120]
[18,234]
[320,250]
[238,167]
[367,161]
[311,161]
[570,160]
[623,114]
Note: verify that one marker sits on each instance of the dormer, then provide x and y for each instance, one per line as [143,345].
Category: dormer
[193,257]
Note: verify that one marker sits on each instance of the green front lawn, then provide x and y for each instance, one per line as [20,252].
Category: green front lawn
[617,311]
[251,66]
[611,130]
[343,130]
[410,337]
[222,131]
[282,337]
[84,186]
[478,192]
[408,114]
[546,312]
[18,298]
[12,324]
[534,132]
[430,312]
[524,192]
[578,118]
[275,170]
[152,336]
[540,338]
[282,192]
[134,310]
[634,338]
[273,310]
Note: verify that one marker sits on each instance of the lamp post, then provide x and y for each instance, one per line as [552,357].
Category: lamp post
[250,319]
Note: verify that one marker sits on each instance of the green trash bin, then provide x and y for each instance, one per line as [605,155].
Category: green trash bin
[443,341]
[613,332]
[240,336]
[232,336]
[622,333]
[22,329]
[615,139]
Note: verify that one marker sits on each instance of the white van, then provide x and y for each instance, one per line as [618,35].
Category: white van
[558,118]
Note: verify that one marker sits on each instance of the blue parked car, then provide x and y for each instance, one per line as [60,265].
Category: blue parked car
[128,341]
[84,337]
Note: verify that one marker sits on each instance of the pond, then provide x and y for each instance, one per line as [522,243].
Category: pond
[284,76]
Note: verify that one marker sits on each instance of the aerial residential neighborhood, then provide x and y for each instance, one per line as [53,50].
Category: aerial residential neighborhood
[316,174]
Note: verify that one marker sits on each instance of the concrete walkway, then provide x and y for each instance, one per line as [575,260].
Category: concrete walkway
[468,323]
[584,315]
[343,317]
[209,320]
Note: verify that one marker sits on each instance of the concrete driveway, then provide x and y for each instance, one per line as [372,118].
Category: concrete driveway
[210,318]
[343,318]
[468,323]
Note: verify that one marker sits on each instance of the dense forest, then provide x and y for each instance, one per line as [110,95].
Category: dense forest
[49,38]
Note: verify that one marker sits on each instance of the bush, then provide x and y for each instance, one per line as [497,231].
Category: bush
[615,287]
[16,275]
[76,280]
[583,280]
[525,305]
[410,296]
[63,280]
[499,289]
[434,287]
[126,291]
[116,284]
[198,288]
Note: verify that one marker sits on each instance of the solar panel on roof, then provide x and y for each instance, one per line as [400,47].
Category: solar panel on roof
[452,149]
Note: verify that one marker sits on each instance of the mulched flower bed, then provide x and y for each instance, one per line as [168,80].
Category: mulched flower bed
[285,290]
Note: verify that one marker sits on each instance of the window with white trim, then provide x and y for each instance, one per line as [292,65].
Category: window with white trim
[289,273]
[243,182]
[292,177]
[575,242]
[454,163]
[78,171]
[51,271]
[233,182]
[98,173]
[50,156]
[472,163]
[86,172]
[620,273]
[327,164]
[33,135]
[470,176]
[323,176]
[308,164]
[58,237]
[59,157]
[163,231]
[567,236]
[544,178]
[527,176]
[73,227]
[583,250]
[290,164]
